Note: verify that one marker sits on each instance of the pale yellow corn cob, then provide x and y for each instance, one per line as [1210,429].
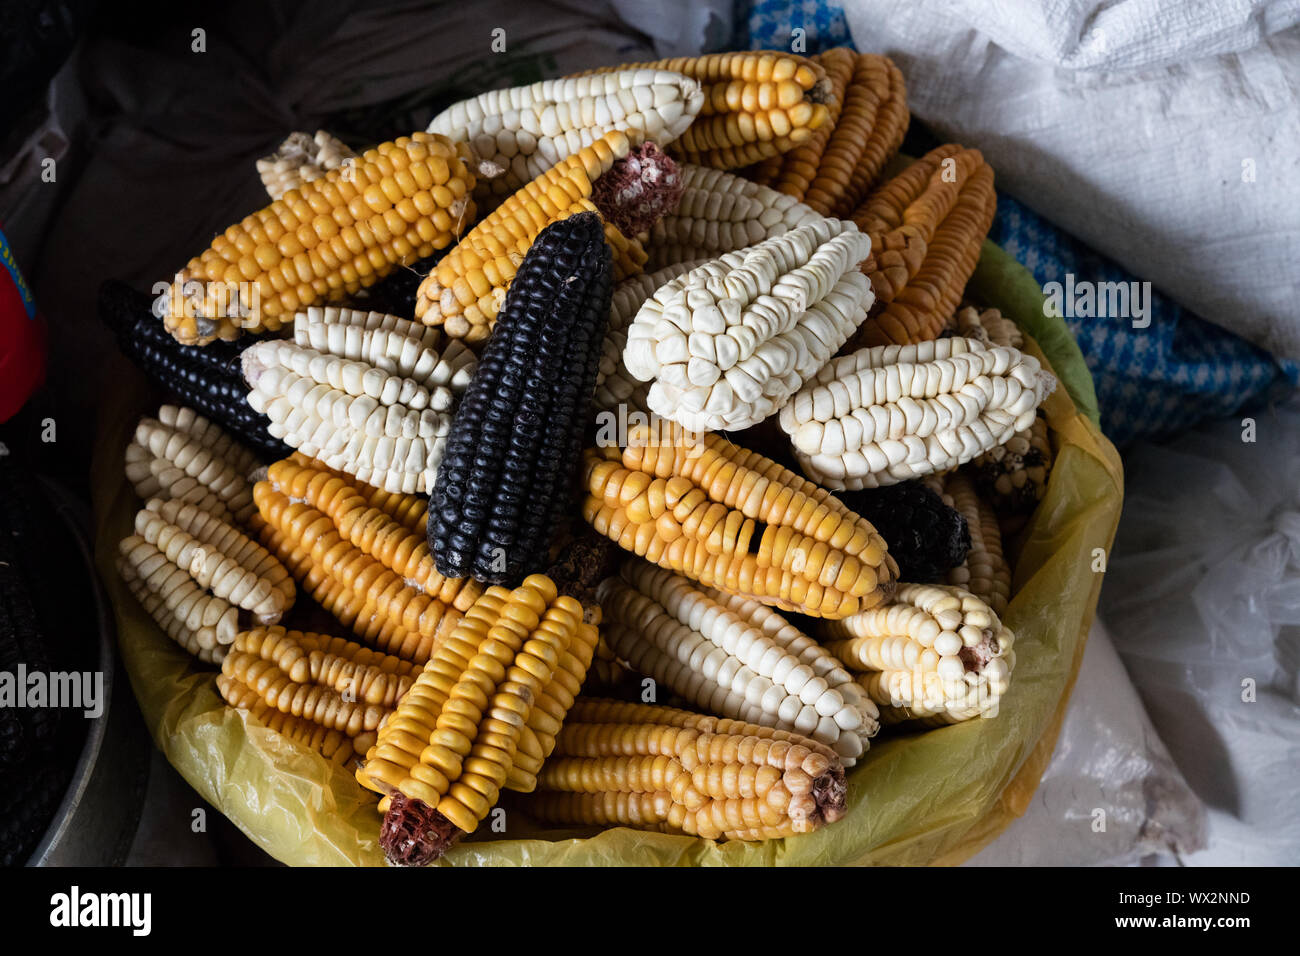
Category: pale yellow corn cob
[935,653]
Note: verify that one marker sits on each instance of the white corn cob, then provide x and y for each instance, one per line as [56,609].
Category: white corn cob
[525,130]
[300,159]
[218,557]
[728,343]
[895,412]
[733,657]
[366,393]
[935,653]
[182,454]
[614,386]
[720,212]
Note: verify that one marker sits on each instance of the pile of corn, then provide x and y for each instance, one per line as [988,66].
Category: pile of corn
[656,254]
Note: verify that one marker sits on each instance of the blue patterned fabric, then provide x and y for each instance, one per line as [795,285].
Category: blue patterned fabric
[1151,382]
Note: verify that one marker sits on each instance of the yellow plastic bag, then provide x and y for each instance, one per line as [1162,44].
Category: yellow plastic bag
[936,796]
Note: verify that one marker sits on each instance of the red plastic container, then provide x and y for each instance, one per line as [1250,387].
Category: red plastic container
[22,336]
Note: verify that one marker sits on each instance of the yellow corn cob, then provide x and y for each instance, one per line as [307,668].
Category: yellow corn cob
[732,519]
[756,104]
[665,769]
[324,240]
[734,657]
[926,227]
[985,572]
[791,172]
[300,159]
[449,749]
[936,654]
[345,666]
[526,130]
[321,705]
[370,570]
[467,288]
[720,213]
[334,746]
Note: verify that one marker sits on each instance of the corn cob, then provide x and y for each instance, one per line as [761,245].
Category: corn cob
[889,413]
[320,705]
[504,481]
[736,521]
[218,557]
[718,213]
[756,104]
[181,455]
[368,394]
[205,379]
[468,287]
[926,227]
[664,769]
[927,537]
[451,746]
[526,130]
[28,800]
[361,554]
[985,572]
[935,654]
[614,385]
[988,326]
[833,171]
[728,343]
[790,173]
[324,240]
[334,746]
[1013,477]
[733,657]
[300,159]
[345,666]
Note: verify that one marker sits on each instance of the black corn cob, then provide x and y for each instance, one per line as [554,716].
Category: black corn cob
[503,485]
[925,536]
[27,802]
[208,378]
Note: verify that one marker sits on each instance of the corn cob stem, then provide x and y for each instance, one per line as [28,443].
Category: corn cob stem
[324,240]
[659,768]
[728,343]
[734,520]
[734,657]
[889,413]
[718,213]
[936,654]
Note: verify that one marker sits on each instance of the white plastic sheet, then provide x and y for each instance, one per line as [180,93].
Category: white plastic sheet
[1203,598]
